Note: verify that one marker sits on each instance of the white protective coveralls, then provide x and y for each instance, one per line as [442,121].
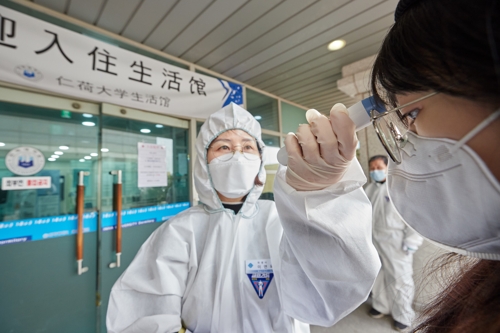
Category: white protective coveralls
[394,288]
[192,269]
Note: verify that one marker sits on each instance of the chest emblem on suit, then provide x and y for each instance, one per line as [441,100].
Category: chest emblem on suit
[260,273]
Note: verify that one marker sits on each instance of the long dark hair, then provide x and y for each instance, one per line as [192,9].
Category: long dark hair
[470,301]
[449,46]
[452,47]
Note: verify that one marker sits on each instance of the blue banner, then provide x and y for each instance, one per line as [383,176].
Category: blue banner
[144,215]
[66,225]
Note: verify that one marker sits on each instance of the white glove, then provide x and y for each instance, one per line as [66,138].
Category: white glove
[321,151]
[409,247]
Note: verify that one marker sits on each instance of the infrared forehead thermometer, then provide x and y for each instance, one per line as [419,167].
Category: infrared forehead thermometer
[359,114]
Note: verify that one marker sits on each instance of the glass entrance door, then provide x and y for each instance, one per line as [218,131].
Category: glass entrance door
[104,162]
[148,154]
[39,283]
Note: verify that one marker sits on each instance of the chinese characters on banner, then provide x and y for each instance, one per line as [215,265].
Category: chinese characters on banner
[42,55]
[152,165]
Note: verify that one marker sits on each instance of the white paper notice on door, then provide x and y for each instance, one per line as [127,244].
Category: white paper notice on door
[152,165]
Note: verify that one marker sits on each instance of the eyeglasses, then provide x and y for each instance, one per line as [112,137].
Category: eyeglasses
[224,151]
[391,128]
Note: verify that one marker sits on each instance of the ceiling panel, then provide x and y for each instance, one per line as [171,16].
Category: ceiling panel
[57,5]
[241,19]
[116,14]
[183,13]
[303,20]
[85,10]
[278,46]
[355,39]
[329,64]
[260,27]
[149,14]
[213,16]
[305,40]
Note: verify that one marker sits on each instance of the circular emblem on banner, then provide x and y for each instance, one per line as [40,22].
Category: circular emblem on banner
[24,161]
[29,73]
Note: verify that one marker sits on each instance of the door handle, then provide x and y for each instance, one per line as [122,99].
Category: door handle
[117,206]
[80,194]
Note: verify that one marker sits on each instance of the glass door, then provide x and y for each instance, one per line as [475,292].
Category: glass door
[82,187]
[145,176]
[44,148]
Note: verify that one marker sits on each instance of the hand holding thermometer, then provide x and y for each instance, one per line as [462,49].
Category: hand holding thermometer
[359,114]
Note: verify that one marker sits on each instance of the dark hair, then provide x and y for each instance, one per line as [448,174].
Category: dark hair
[470,299]
[448,46]
[378,157]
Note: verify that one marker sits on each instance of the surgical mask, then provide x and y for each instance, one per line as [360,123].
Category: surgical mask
[444,191]
[233,175]
[378,175]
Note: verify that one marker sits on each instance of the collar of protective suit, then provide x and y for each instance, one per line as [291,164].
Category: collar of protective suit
[230,117]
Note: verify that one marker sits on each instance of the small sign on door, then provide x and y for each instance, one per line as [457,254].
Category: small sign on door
[25,183]
[152,165]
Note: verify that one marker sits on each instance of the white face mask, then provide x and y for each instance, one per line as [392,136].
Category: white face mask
[444,191]
[234,177]
[377,175]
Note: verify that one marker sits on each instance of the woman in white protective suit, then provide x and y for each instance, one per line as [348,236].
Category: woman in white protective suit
[239,264]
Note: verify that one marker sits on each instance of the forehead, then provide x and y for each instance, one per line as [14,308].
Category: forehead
[377,163]
[234,136]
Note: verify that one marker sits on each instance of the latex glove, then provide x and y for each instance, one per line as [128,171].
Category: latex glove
[321,151]
[409,248]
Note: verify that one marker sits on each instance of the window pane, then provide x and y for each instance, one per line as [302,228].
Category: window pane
[264,109]
[291,117]
[270,163]
[198,127]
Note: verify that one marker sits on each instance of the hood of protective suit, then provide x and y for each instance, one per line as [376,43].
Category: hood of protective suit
[231,117]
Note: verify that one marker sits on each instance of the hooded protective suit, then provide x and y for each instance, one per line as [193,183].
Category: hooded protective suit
[395,242]
[199,269]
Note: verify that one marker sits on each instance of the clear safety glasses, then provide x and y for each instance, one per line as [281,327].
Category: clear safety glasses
[391,127]
[229,155]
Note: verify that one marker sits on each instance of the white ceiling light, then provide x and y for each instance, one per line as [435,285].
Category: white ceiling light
[159,126]
[55,156]
[88,123]
[63,147]
[87,157]
[258,117]
[145,130]
[104,150]
[94,154]
[51,159]
[81,160]
[87,115]
[336,45]
[2,144]
[58,152]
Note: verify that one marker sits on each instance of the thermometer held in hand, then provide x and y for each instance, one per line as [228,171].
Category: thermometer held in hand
[359,114]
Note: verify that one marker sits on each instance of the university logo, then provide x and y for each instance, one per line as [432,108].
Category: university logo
[24,161]
[28,73]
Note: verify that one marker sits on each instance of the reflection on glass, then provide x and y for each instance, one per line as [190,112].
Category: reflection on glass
[291,117]
[264,109]
[45,130]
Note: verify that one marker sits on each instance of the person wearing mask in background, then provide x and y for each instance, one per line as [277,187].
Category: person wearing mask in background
[395,242]
[239,264]
[439,69]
